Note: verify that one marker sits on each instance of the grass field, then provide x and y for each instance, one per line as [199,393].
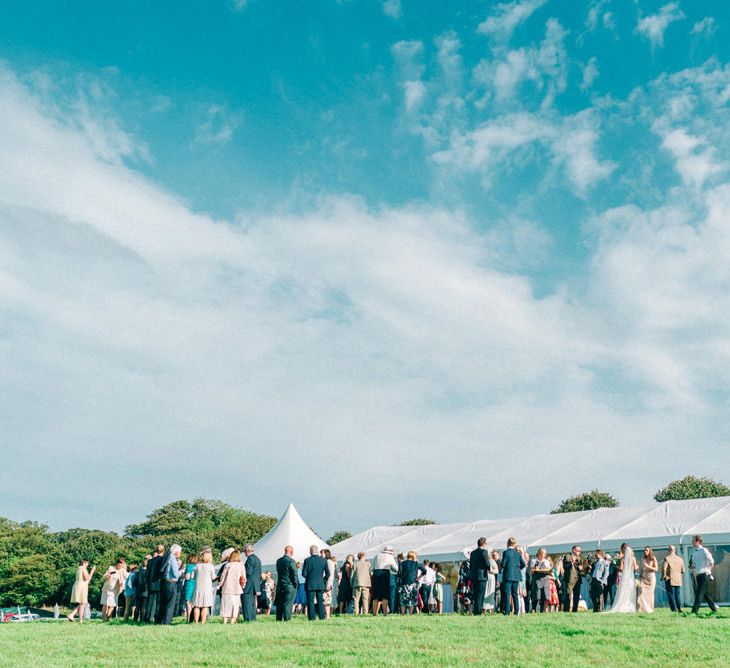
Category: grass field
[582,639]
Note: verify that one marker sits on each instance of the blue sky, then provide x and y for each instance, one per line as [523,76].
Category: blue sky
[242,240]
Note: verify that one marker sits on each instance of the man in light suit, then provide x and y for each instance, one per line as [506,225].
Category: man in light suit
[287,581]
[599,582]
[479,574]
[672,572]
[316,572]
[252,588]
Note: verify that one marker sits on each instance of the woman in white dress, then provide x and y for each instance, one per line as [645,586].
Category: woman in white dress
[232,579]
[625,600]
[114,580]
[204,592]
[647,578]
[491,589]
[80,591]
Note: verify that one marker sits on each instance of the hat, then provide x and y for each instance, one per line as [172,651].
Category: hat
[388,548]
[226,553]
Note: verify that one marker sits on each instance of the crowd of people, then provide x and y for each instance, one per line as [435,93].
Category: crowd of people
[511,582]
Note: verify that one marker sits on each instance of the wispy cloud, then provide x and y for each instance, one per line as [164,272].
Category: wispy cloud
[507,16]
[392,8]
[653,26]
[705,27]
[218,127]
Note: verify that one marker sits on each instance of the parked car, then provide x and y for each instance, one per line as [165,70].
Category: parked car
[22,617]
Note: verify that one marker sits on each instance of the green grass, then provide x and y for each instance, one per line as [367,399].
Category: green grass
[548,640]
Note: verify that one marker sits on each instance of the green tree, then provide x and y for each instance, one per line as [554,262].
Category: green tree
[30,580]
[691,487]
[338,537]
[417,522]
[586,501]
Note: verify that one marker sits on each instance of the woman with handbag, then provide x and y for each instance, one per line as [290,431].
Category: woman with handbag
[232,582]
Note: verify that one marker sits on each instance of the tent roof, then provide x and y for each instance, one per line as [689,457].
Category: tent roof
[655,524]
[292,530]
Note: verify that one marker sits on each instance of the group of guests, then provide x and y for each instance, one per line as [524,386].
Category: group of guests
[162,587]
[516,582]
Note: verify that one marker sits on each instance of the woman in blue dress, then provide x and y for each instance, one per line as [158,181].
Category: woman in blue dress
[190,584]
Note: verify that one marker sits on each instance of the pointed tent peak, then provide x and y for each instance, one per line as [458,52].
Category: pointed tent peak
[292,530]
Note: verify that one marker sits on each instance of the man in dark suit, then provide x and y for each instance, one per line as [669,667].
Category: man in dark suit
[573,571]
[512,564]
[141,592]
[287,581]
[315,572]
[169,576]
[252,588]
[154,566]
[479,574]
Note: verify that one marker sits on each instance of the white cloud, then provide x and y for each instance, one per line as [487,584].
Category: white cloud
[590,74]
[654,26]
[393,8]
[704,27]
[694,160]
[218,127]
[594,12]
[507,16]
[239,5]
[415,92]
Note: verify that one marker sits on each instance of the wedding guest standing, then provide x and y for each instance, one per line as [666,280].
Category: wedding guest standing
[573,569]
[329,585]
[647,580]
[702,564]
[361,582]
[204,594]
[541,567]
[613,573]
[599,582]
[169,575]
[190,585]
[512,565]
[141,592]
[384,574]
[231,578]
[114,580]
[344,593]
[479,574]
[409,571]
[315,571]
[80,591]
[252,588]
[672,573]
[438,589]
[287,581]
[490,594]
[153,585]
[130,590]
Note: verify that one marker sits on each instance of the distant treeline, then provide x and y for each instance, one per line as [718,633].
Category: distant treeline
[38,566]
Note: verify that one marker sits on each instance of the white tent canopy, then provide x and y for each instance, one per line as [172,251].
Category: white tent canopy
[655,524]
[292,530]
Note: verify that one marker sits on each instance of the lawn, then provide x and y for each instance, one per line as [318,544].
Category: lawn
[582,639]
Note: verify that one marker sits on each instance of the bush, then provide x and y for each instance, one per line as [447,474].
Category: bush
[586,501]
[338,537]
[417,522]
[691,487]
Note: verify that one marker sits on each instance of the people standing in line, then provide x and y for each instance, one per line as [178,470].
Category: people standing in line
[114,579]
[672,574]
[438,589]
[574,571]
[499,590]
[408,573]
[80,591]
[190,585]
[344,594]
[287,582]
[231,586]
[204,594]
[141,592]
[479,575]
[315,571]
[384,578]
[647,580]
[329,583]
[268,589]
[154,568]
[425,586]
[541,567]
[253,584]
[512,565]
[130,592]
[362,573]
[599,582]
[169,575]
[702,565]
